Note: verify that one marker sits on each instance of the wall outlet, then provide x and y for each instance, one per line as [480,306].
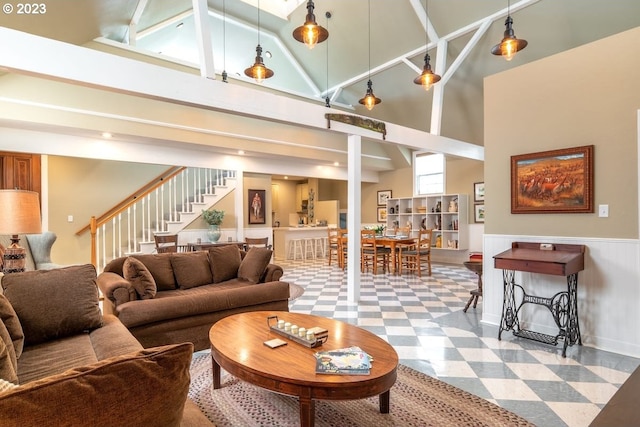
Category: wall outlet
[546,247]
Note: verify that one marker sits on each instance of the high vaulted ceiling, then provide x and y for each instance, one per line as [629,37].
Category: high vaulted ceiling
[389,46]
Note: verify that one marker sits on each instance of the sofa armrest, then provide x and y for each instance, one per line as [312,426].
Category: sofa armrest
[273,273]
[116,288]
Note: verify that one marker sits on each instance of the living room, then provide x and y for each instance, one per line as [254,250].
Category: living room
[546,114]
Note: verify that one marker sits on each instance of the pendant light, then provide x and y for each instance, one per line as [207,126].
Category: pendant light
[310,33]
[509,45]
[428,77]
[224,43]
[258,70]
[370,100]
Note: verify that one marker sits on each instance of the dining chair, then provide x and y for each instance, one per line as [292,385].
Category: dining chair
[257,242]
[166,243]
[333,245]
[370,251]
[342,248]
[412,257]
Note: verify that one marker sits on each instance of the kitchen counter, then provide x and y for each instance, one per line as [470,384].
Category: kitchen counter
[282,236]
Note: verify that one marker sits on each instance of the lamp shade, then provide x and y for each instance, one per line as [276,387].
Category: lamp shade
[310,33]
[19,212]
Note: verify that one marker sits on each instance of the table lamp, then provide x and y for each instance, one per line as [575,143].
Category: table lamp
[19,214]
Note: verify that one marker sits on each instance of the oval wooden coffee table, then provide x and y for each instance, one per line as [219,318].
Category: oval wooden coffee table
[237,346]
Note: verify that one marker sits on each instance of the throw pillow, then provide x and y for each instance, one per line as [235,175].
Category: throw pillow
[11,321]
[254,264]
[8,362]
[159,265]
[191,269]
[142,281]
[145,388]
[224,261]
[54,303]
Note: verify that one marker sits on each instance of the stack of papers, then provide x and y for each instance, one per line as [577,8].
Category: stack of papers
[345,361]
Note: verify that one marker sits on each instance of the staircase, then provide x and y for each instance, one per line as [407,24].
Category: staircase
[165,207]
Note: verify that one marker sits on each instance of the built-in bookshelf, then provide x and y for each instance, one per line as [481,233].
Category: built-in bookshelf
[446,214]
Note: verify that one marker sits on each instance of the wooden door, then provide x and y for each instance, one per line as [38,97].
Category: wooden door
[21,171]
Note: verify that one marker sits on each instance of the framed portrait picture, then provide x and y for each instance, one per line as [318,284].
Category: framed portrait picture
[557,181]
[256,202]
[382,214]
[478,191]
[383,196]
[478,212]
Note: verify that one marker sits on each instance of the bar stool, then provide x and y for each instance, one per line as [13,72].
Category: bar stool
[309,248]
[320,246]
[295,249]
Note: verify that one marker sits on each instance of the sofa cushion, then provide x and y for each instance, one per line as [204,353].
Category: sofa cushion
[191,269]
[225,261]
[254,264]
[159,265]
[77,396]
[8,363]
[141,279]
[11,321]
[54,303]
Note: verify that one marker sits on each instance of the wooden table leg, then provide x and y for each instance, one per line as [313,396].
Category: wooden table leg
[385,399]
[215,370]
[307,412]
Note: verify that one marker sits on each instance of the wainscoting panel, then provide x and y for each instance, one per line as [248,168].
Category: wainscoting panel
[608,291]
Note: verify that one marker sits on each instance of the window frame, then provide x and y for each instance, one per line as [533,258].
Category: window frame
[416,177]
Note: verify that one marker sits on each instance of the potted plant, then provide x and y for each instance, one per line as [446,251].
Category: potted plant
[214,218]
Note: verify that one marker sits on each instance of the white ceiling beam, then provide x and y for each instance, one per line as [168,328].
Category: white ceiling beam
[203,38]
[466,51]
[133,25]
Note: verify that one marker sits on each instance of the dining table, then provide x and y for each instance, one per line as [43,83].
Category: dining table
[391,242]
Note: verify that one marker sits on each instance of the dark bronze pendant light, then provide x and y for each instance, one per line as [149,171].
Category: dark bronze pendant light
[428,77]
[258,70]
[510,45]
[370,100]
[310,33]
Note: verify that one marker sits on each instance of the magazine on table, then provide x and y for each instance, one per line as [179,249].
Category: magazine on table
[346,361]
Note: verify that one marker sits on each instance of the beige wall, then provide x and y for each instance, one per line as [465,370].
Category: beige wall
[257,182]
[86,187]
[585,96]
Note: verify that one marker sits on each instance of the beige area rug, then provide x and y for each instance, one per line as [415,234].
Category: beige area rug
[416,400]
[295,291]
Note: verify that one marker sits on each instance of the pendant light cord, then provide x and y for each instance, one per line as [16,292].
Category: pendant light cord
[328,15]
[258,22]
[224,36]
[369,39]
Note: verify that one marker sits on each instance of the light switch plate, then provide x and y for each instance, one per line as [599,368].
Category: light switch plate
[603,211]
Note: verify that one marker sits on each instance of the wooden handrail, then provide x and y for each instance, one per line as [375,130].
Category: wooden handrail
[130,200]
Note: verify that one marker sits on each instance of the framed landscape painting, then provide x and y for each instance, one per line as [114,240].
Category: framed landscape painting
[557,181]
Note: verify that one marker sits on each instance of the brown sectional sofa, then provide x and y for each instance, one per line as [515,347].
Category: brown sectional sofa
[75,366]
[176,297]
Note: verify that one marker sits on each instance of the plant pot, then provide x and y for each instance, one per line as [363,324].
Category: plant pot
[213,234]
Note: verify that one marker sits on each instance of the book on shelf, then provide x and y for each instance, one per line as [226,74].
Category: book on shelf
[345,361]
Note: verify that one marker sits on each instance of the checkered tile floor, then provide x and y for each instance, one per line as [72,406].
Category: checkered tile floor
[424,321]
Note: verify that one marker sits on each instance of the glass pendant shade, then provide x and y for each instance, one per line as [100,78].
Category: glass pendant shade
[509,45]
[258,70]
[370,100]
[310,33]
[428,77]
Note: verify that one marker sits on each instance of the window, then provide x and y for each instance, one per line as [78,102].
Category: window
[428,171]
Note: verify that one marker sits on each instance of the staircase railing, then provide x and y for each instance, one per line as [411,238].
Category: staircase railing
[168,199]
